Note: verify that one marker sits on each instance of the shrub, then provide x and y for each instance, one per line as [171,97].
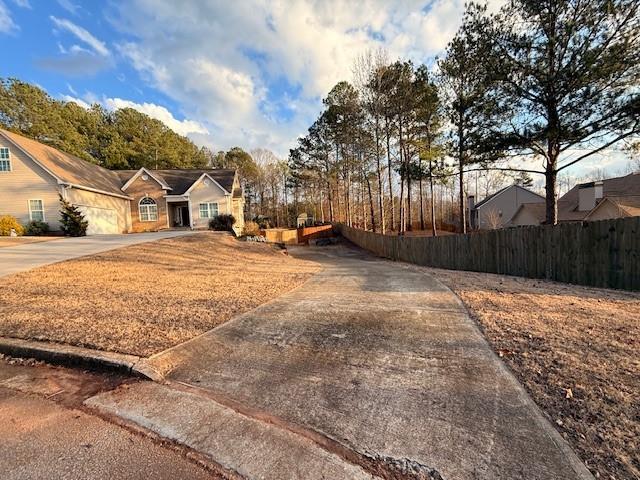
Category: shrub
[263,222]
[7,223]
[251,229]
[72,220]
[36,228]
[222,223]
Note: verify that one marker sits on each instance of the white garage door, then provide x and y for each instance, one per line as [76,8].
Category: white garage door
[101,220]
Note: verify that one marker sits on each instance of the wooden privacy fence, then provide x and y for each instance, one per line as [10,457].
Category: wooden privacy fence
[605,253]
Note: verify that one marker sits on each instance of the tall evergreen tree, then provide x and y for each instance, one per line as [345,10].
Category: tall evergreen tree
[473,107]
[572,68]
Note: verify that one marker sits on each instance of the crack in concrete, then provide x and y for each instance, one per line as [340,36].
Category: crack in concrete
[390,468]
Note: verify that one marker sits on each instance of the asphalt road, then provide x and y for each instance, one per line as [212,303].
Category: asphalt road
[44,436]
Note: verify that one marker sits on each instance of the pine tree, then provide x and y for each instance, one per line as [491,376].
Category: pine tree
[571,69]
[72,220]
[473,109]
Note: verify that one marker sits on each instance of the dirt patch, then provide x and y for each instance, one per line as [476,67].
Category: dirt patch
[64,386]
[17,241]
[145,298]
[576,350]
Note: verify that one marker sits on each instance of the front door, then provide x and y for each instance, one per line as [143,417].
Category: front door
[183,216]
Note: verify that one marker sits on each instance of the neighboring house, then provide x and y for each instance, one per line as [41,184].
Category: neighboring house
[33,175]
[304,220]
[611,198]
[497,210]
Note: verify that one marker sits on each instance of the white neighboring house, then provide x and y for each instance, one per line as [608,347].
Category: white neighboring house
[497,210]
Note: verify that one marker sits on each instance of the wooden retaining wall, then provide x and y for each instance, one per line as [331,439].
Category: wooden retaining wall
[605,253]
[312,233]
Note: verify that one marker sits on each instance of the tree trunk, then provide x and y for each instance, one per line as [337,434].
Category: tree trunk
[339,216]
[463,216]
[401,209]
[434,231]
[330,199]
[347,189]
[421,196]
[379,172]
[551,177]
[371,207]
[392,222]
[409,213]
[403,176]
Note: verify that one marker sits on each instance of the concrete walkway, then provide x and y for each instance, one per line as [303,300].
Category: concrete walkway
[25,257]
[375,362]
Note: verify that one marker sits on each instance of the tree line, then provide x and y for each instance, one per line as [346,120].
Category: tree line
[120,139]
[554,81]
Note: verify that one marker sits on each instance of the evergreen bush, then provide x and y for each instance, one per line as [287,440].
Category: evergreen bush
[36,228]
[72,220]
[222,223]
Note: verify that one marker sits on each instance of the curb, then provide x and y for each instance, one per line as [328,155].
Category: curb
[61,354]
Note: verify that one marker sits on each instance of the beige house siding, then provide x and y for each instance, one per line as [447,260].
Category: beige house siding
[500,210]
[238,213]
[28,181]
[604,211]
[524,217]
[238,208]
[120,206]
[140,189]
[208,193]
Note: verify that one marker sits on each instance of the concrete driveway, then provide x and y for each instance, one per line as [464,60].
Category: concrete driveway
[25,257]
[371,361]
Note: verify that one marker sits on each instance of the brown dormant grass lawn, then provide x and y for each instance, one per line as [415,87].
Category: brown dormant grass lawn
[577,352]
[145,298]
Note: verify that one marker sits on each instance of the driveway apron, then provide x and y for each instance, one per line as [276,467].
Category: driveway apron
[384,360]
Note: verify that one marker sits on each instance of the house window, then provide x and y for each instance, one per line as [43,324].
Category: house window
[36,210]
[208,210]
[5,161]
[148,210]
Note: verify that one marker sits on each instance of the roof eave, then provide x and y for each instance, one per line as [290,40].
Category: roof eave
[95,190]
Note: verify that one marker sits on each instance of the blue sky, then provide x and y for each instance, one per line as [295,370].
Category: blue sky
[249,73]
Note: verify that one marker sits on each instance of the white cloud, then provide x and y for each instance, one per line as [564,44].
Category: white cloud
[23,3]
[7,25]
[236,66]
[82,34]
[182,127]
[76,100]
[69,6]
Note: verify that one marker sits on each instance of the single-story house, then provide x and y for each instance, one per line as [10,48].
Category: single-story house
[497,210]
[610,198]
[34,175]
